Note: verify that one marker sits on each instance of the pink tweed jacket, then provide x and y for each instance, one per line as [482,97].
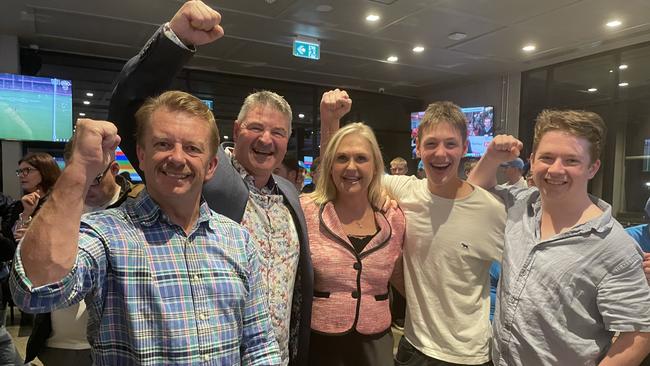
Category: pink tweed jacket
[350,289]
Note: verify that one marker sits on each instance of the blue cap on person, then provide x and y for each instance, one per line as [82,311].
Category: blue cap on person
[517,163]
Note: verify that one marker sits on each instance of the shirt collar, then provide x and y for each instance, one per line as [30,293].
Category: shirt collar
[601,223]
[269,188]
[147,212]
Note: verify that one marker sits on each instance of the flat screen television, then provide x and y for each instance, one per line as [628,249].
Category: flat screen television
[480,129]
[120,158]
[306,163]
[35,108]
[126,166]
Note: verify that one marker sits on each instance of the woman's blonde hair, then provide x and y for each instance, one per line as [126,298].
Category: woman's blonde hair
[325,188]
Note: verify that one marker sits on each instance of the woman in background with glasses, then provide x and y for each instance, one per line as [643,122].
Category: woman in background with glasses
[37,173]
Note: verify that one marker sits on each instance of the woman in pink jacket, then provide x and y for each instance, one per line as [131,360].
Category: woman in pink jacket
[354,248]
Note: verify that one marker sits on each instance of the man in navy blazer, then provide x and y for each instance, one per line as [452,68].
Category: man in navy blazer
[243,185]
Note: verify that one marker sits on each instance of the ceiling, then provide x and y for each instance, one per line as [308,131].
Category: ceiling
[259,34]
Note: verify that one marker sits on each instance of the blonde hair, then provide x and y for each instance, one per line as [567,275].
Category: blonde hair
[398,161]
[325,188]
[584,124]
[443,112]
[176,101]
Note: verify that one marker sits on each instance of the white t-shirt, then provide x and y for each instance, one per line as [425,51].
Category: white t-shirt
[69,328]
[449,247]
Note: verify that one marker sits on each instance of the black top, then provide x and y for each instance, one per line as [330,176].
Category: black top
[360,242]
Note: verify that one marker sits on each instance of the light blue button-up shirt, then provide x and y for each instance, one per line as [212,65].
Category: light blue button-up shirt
[562,298]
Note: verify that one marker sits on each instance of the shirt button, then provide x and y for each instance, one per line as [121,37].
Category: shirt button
[203,316]
[196,278]
[355,294]
[206,357]
[356,266]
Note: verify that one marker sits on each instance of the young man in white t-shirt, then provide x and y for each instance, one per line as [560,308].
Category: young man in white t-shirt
[454,231]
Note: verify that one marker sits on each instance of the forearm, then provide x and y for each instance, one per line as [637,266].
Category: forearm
[328,128]
[49,248]
[146,75]
[629,349]
[484,173]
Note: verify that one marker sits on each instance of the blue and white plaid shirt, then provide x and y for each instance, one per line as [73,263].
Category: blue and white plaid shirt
[157,296]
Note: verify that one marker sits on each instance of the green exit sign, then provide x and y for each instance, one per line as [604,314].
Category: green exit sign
[306,49]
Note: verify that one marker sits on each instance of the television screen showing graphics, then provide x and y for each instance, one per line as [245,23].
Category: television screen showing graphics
[480,129]
[35,108]
[125,166]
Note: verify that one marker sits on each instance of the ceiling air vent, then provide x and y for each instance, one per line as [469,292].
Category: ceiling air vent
[384,2]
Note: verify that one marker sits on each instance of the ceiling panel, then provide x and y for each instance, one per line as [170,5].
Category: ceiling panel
[259,35]
[432,26]
[574,26]
[67,25]
[349,15]
[504,11]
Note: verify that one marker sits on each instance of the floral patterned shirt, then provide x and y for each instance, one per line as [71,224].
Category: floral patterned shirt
[273,231]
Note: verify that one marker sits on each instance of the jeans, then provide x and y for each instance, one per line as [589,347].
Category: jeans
[8,353]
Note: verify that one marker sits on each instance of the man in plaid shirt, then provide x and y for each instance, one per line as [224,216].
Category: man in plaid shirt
[165,279]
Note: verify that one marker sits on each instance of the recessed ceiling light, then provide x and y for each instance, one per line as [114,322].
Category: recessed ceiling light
[225,137]
[623,84]
[324,8]
[614,23]
[457,36]
[611,70]
[529,48]
[622,67]
[592,90]
[89,94]
[82,114]
[372,17]
[86,102]
[392,59]
[418,49]
[647,184]
[301,115]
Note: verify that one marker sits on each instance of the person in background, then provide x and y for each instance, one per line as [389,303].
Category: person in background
[313,171]
[399,166]
[244,188]
[37,173]
[468,166]
[59,338]
[641,233]
[355,248]
[513,171]
[421,173]
[571,276]
[9,355]
[166,280]
[291,170]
